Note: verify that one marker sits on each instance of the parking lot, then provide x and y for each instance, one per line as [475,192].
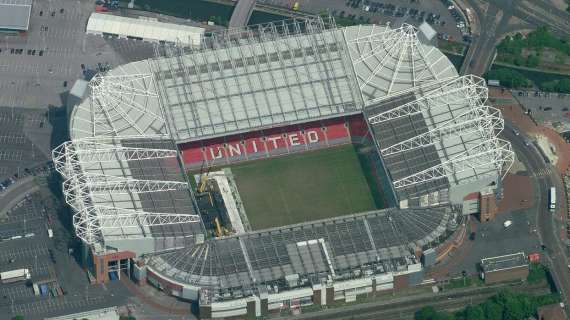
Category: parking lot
[26,244]
[25,141]
[37,68]
[394,12]
[546,108]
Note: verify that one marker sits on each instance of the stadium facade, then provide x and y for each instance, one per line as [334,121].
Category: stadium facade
[263,91]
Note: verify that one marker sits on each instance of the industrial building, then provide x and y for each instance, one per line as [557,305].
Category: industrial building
[508,267]
[15,15]
[124,168]
[142,28]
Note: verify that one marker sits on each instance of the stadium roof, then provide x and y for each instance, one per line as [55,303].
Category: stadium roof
[126,188]
[440,135]
[124,179]
[145,28]
[264,76]
[387,60]
[15,14]
[313,250]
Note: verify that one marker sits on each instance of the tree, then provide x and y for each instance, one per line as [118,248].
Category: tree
[474,313]
[18,317]
[426,313]
[508,78]
[429,313]
[492,310]
[532,61]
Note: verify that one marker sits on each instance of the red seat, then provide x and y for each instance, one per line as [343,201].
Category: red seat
[192,153]
[234,147]
[274,139]
[336,129]
[214,149]
[253,143]
[358,126]
[313,132]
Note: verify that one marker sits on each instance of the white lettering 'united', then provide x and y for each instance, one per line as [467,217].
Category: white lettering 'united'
[294,139]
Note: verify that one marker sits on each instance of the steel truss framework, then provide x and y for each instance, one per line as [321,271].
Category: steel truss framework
[235,81]
[496,154]
[480,121]
[84,185]
[468,90]
[129,102]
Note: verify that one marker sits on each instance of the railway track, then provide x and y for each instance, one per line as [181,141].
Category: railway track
[405,309]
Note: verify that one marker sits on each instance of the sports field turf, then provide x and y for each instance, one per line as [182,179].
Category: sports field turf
[303,187]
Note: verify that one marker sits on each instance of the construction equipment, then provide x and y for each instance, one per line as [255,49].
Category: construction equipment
[203,183]
[218,227]
[204,178]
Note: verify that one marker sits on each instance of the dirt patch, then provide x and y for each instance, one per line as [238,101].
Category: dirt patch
[517,193]
[517,166]
[548,149]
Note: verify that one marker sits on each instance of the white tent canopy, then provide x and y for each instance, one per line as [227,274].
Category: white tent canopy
[147,29]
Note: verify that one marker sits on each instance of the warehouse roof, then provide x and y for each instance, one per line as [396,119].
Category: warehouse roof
[145,28]
[15,14]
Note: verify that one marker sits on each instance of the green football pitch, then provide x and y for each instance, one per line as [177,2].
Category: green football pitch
[303,187]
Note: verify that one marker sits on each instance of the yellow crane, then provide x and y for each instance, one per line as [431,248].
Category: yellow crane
[204,178]
[203,183]
[218,227]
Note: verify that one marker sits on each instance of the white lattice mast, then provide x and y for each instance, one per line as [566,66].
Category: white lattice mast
[83,188]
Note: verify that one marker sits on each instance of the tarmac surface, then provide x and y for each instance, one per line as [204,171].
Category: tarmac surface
[550,109]
[551,226]
[53,51]
[335,7]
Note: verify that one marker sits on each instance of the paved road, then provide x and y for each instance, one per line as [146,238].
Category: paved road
[495,25]
[242,13]
[548,227]
[15,193]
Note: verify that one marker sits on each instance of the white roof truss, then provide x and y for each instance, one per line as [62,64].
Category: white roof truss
[485,121]
[495,153]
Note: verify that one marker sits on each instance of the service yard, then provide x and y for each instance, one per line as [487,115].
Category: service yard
[303,187]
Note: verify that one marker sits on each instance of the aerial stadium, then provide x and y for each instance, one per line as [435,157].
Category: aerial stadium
[278,165]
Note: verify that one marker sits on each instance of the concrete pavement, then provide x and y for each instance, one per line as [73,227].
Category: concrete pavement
[242,13]
[16,193]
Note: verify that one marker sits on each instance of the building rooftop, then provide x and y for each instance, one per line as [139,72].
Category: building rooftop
[145,28]
[505,262]
[15,14]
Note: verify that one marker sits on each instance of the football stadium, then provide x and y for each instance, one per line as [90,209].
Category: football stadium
[279,165]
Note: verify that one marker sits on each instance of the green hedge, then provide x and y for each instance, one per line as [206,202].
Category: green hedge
[503,306]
